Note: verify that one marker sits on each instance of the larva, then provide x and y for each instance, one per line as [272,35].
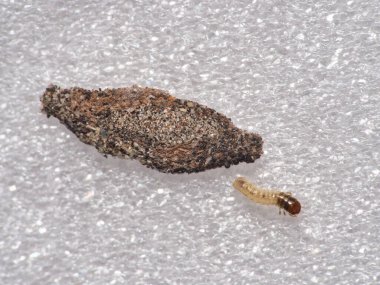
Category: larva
[283,200]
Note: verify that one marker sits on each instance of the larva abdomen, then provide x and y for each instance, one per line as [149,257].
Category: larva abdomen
[254,193]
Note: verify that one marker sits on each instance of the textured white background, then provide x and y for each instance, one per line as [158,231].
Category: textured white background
[303,74]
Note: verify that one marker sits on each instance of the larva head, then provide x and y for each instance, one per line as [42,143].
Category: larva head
[289,204]
[294,207]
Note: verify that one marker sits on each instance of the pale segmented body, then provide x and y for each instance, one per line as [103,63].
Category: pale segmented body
[268,197]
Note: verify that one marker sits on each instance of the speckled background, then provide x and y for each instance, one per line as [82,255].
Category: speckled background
[303,74]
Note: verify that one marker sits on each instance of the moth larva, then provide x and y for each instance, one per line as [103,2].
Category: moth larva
[283,200]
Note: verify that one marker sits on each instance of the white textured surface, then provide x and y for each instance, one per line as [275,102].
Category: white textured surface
[306,76]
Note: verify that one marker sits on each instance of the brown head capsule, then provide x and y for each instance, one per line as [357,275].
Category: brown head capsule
[288,203]
[283,200]
[153,127]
